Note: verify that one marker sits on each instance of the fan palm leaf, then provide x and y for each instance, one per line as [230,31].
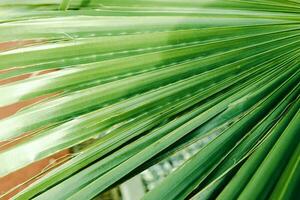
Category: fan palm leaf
[142,80]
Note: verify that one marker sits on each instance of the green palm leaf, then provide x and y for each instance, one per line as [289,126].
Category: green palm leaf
[142,80]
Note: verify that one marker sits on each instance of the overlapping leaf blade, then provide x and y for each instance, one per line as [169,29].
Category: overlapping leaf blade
[145,79]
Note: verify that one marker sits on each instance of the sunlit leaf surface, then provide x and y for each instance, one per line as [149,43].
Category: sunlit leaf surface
[140,80]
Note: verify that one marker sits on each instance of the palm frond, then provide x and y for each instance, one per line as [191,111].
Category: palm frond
[142,80]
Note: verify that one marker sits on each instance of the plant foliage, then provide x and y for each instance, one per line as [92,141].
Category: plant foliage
[142,80]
